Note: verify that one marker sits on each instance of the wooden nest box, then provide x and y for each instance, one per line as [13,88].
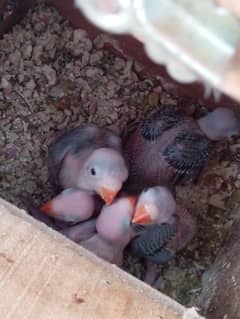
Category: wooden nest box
[46,276]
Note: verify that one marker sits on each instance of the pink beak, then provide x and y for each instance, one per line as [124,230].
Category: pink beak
[47,208]
[107,195]
[141,216]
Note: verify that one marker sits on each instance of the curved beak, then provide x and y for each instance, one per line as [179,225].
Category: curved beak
[107,195]
[47,208]
[141,216]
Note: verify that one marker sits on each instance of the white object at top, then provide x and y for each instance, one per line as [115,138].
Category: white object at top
[194,39]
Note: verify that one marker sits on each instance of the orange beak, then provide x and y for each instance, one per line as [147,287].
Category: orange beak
[141,216]
[47,208]
[107,195]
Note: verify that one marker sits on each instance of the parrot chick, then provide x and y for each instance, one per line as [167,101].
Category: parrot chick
[114,221]
[89,158]
[35,212]
[72,206]
[114,230]
[177,146]
[162,228]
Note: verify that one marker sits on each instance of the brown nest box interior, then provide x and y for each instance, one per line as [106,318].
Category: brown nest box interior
[58,71]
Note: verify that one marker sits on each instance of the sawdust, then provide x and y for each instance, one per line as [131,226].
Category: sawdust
[53,77]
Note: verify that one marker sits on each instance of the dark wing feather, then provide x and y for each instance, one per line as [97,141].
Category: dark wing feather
[187,154]
[159,121]
[162,256]
[150,243]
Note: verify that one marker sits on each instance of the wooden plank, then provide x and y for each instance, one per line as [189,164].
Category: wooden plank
[43,275]
[221,284]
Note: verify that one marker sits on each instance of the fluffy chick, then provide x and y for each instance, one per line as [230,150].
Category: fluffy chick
[72,206]
[113,230]
[162,228]
[90,158]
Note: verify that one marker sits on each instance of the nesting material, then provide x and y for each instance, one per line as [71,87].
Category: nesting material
[53,77]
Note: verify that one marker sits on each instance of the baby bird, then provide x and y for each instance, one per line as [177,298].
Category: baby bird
[113,230]
[35,212]
[72,206]
[114,222]
[162,228]
[89,158]
[169,148]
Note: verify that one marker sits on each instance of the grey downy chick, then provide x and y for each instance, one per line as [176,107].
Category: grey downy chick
[89,158]
[162,228]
